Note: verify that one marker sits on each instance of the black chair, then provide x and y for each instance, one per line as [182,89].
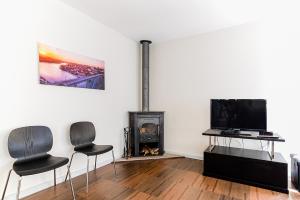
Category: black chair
[29,145]
[295,170]
[82,135]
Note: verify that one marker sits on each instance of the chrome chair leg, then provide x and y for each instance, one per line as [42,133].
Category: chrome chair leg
[95,162]
[4,191]
[87,175]
[54,177]
[19,187]
[71,184]
[70,165]
[113,155]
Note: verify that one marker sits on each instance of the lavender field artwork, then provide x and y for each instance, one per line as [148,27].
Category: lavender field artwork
[62,68]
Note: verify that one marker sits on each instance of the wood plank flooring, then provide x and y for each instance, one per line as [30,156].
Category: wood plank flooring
[167,179]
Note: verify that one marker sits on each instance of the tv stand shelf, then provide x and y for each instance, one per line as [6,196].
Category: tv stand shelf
[248,166]
[250,135]
[248,153]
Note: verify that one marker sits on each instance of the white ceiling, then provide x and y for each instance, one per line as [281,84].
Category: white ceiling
[161,20]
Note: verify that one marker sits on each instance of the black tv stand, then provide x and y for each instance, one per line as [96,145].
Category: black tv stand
[253,167]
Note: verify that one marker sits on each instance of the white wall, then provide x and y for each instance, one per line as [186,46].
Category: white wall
[256,60]
[25,102]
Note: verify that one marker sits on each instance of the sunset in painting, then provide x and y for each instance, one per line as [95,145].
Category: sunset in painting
[59,67]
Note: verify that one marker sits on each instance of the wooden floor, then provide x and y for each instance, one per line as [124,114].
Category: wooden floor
[179,178]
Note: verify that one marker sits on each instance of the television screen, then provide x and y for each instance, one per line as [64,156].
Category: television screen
[243,114]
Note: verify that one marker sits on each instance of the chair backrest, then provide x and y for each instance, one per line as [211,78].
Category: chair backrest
[30,141]
[82,133]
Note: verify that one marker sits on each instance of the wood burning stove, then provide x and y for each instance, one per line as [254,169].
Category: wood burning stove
[146,135]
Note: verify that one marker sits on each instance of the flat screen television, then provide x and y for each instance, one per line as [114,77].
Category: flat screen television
[242,114]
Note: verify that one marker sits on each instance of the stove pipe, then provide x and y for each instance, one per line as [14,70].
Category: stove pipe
[145,74]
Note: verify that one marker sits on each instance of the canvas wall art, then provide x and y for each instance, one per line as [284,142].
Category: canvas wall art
[62,68]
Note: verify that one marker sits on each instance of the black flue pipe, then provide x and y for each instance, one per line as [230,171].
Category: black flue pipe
[145,74]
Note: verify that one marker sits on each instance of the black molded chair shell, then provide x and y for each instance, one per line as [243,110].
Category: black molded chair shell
[40,165]
[82,133]
[94,149]
[295,170]
[31,141]
[30,146]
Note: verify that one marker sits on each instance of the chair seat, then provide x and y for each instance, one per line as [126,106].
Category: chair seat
[39,165]
[94,149]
